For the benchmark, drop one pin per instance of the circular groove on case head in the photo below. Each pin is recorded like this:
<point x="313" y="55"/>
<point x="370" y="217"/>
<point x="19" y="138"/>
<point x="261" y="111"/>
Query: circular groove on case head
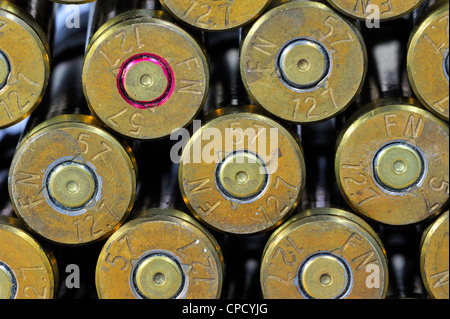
<point x="324" y="276"/>
<point x="303" y="62"/>
<point x="5" y="69"/>
<point x="71" y="185"/>
<point x="145" y="81"/>
<point x="427" y="60"/>
<point x="239" y="175"/>
<point x="182" y="261"/>
<point x="24" y="64"/>
<point x="8" y="282"/>
<point x="73" y="1"/>
<point x="25" y="265"/>
<point x="159" y="276"/>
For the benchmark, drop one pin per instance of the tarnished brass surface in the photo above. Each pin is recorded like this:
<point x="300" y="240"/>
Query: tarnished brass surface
<point x="392" y="162"/>
<point x="5" y="69"/>
<point x="24" y="64"/>
<point x="71" y="181"/>
<point x="375" y="9"/>
<point x="161" y="254"/>
<point x="324" y="253"/>
<point x="158" y="277"/>
<point x="246" y="187"/>
<point x="428" y="60"/>
<point x="239" y="175"/>
<point x="398" y="166"/>
<point x="303" y="62"/>
<point x="27" y="270"/>
<point x="434" y="258"/>
<point x="144" y="76"/>
<point x="213" y="15"/>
